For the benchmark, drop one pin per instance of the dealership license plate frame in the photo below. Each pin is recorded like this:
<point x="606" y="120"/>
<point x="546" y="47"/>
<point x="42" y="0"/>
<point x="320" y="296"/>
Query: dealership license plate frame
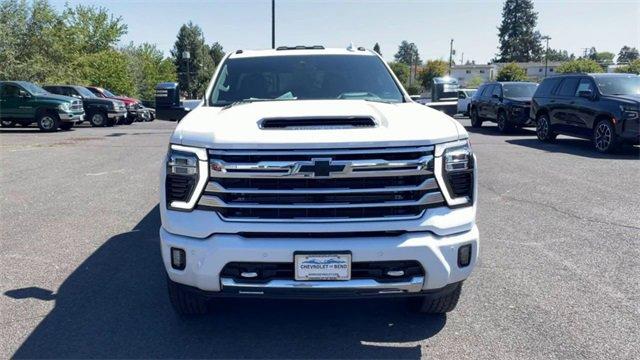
<point x="300" y="256"/>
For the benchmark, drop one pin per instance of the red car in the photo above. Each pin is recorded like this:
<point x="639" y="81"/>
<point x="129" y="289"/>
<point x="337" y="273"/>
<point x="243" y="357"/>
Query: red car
<point x="131" y="104"/>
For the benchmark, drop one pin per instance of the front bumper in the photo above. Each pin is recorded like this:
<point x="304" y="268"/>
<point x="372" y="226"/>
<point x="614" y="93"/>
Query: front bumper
<point x="71" y="117"/>
<point x="116" y="114"/>
<point x="205" y="258"/>
<point x="630" y="132"/>
<point x="520" y="117"/>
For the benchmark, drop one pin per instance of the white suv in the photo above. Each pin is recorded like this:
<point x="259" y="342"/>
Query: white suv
<point x="309" y="172"/>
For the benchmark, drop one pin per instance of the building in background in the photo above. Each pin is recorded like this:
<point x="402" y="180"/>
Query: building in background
<point x="488" y="72"/>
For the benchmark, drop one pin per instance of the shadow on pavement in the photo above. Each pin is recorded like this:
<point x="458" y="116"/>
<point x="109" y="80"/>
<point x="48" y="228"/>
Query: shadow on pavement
<point x="579" y="147"/>
<point x="493" y="131"/>
<point x="115" y="305"/>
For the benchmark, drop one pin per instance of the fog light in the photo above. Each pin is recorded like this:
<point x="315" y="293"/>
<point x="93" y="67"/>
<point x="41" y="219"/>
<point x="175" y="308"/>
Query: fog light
<point x="178" y="259"/>
<point x="464" y="255"/>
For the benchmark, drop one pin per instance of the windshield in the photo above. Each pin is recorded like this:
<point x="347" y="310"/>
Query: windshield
<point x="519" y="90"/>
<point x="302" y="77"/>
<point x="84" y="92"/>
<point x="108" y="93"/>
<point x="618" y="85"/>
<point x="33" y="88"/>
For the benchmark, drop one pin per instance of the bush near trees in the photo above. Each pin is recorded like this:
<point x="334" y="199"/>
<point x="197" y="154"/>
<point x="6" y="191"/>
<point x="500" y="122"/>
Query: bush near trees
<point x="401" y="71"/>
<point x="77" y="45"/>
<point x="579" y="66"/>
<point x="432" y="69"/>
<point x="475" y="82"/>
<point x="632" y="68"/>
<point x="512" y="72"/>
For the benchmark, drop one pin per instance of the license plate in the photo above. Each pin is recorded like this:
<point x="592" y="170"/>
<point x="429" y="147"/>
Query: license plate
<point x="322" y="266"/>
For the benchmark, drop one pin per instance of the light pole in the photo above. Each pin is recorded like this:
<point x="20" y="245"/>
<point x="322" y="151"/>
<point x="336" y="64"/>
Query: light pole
<point x="186" y="56"/>
<point x="450" y="56"/>
<point x="273" y="24"/>
<point x="546" y="54"/>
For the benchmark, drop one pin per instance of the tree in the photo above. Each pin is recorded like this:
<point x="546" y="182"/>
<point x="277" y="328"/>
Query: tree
<point x="431" y="70"/>
<point x="627" y="55"/>
<point x="408" y="54"/>
<point x="603" y="58"/>
<point x="216" y="52"/>
<point x="92" y="29"/>
<point x="148" y="67"/>
<point x="475" y="82"/>
<point x="108" y="69"/>
<point x="579" y="66"/>
<point x="376" y="48"/>
<point x="632" y="68"/>
<point x="519" y="41"/>
<point x="560" y="55"/>
<point x="198" y="69"/>
<point x="401" y="71"/>
<point x="512" y="72"/>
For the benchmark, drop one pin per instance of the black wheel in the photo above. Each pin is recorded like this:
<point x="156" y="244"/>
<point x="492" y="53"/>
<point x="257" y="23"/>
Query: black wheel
<point x="98" y="119"/>
<point x="128" y="120"/>
<point x="503" y="123"/>
<point x="605" y="139"/>
<point x="185" y="302"/>
<point x="436" y="305"/>
<point x="476" y="120"/>
<point x="48" y="122"/>
<point x="7" y="123"/>
<point x="544" y="130"/>
<point x="66" y="126"/>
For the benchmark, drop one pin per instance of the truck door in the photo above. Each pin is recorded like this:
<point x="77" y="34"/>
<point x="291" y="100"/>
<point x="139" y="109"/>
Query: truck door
<point x="15" y="102"/>
<point x="563" y="113"/>
<point x="494" y="102"/>
<point x="485" y="98"/>
<point x="585" y="106"/>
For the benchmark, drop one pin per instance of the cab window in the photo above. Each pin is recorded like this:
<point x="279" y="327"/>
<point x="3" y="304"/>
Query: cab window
<point x="10" y="91"/>
<point x="567" y="87"/>
<point x="584" y="85"/>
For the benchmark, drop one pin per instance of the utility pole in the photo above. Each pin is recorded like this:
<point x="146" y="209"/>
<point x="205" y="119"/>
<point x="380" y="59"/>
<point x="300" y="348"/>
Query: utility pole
<point x="546" y="54"/>
<point x="273" y="24"/>
<point x="187" y="56"/>
<point x="462" y="59"/>
<point x="450" y="56"/>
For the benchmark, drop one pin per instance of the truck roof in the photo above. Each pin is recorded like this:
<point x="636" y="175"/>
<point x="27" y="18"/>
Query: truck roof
<point x="307" y="50"/>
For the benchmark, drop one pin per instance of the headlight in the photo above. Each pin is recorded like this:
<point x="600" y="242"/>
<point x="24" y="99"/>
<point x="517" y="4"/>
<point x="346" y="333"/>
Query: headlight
<point x="187" y="173"/>
<point x="629" y="112"/>
<point x="454" y="169"/>
<point x="64" y="106"/>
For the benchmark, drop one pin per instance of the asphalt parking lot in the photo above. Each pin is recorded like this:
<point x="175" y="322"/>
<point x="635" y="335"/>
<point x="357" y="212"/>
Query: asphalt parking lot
<point x="559" y="275"/>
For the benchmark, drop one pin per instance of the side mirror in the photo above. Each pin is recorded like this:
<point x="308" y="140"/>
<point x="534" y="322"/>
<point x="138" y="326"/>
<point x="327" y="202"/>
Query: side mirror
<point x="461" y="96"/>
<point x="587" y="94"/>
<point x="495" y="96"/>
<point x="23" y="94"/>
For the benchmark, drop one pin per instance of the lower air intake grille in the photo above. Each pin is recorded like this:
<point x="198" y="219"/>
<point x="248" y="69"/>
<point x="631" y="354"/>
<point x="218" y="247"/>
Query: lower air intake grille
<point x="461" y="183"/>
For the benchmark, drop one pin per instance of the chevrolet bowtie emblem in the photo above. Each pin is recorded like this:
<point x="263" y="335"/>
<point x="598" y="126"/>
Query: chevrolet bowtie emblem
<point x="320" y="168"/>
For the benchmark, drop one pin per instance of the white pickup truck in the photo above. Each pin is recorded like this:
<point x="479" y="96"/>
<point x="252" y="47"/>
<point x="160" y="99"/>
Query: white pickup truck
<point x="309" y="172"/>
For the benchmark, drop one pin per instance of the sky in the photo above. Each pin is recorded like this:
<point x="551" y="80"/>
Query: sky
<point x="246" y="24"/>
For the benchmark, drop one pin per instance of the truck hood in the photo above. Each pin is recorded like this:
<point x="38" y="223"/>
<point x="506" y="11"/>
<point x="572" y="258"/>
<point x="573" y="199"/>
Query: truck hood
<point x="56" y="98"/>
<point x="237" y="127"/>
<point x="630" y="98"/>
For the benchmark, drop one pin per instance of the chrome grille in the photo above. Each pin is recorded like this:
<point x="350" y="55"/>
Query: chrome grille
<point x="76" y="105"/>
<point x="321" y="185"/>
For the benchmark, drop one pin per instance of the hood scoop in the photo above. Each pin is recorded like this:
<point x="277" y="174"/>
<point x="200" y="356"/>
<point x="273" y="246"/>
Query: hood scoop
<point x="333" y="122"/>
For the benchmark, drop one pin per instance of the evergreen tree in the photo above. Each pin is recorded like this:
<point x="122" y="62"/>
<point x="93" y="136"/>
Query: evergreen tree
<point x="376" y="48"/>
<point x="198" y="68"/>
<point x="519" y="41"/>
<point x="408" y="54"/>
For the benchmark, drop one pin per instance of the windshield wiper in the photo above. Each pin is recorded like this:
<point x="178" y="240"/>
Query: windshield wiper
<point x="251" y="100"/>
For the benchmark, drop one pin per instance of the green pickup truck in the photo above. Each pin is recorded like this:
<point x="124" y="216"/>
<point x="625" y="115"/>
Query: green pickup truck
<point x="24" y="103"/>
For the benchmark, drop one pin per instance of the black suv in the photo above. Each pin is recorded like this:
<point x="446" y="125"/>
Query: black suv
<point x="506" y="103"/>
<point x="601" y="107"/>
<point x="99" y="112"/>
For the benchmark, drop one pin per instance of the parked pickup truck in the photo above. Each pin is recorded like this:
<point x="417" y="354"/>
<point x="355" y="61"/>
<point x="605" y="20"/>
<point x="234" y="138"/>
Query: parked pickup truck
<point x="24" y="103"/>
<point x="99" y="112"/>
<point x="309" y="172"/>
<point x="131" y="104"/>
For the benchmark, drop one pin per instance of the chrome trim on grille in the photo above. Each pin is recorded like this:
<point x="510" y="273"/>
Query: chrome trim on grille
<point x="351" y="168"/>
<point x="411" y="286"/>
<point x="322" y="185"/>
<point x="428" y="184"/>
<point x="426" y="199"/>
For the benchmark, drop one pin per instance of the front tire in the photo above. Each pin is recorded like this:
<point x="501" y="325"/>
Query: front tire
<point x="48" y="122"/>
<point x="544" y="130"/>
<point x="605" y="139"/>
<point x="476" y="121"/>
<point x="98" y="119"/>
<point x="503" y="123"/>
<point x="436" y="305"/>
<point x="184" y="302"/>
